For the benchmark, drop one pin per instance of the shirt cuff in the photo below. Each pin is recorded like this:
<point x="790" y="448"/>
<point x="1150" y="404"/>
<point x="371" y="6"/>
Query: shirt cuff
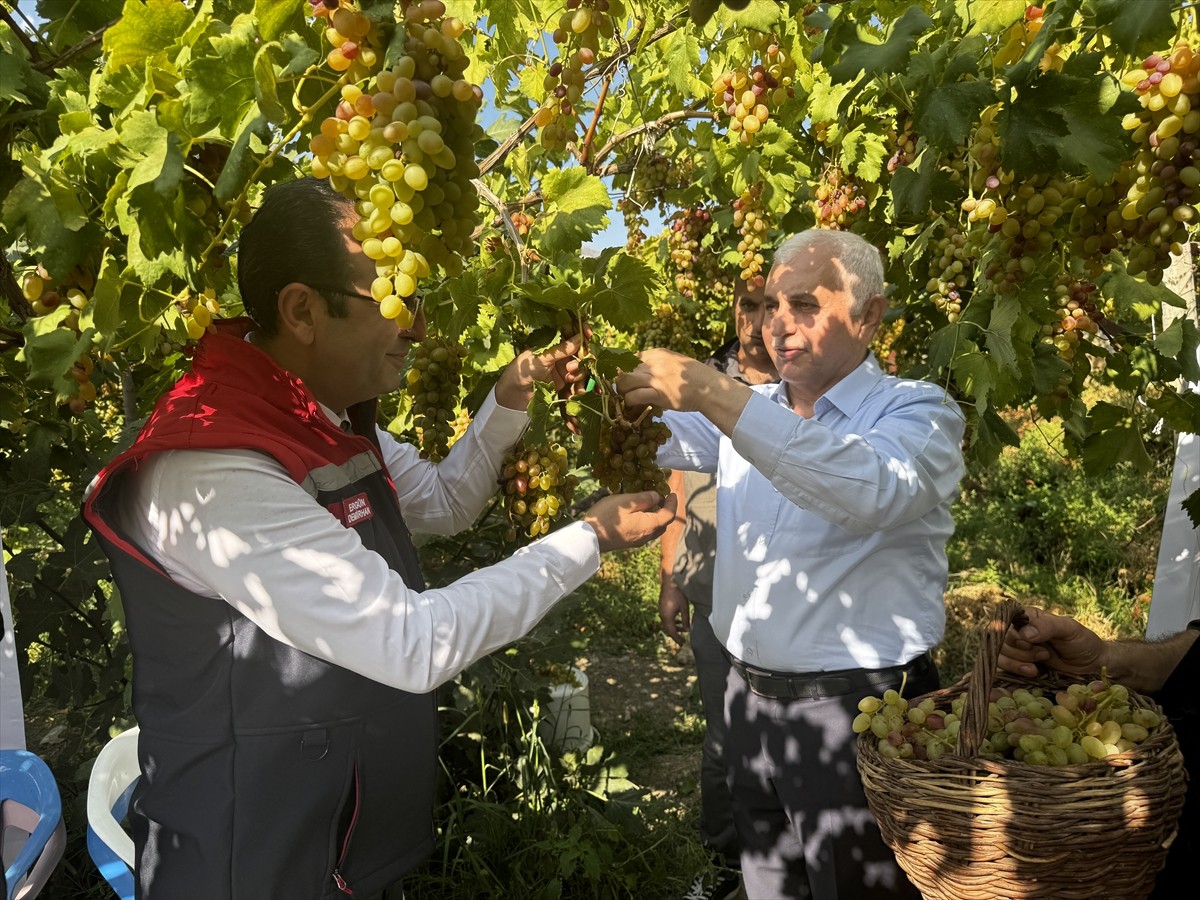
<point x="580" y="545"/>
<point x="762" y="432"/>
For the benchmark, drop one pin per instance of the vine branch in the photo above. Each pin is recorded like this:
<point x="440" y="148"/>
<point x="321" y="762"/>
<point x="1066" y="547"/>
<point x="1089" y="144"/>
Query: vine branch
<point x="506" y="220"/>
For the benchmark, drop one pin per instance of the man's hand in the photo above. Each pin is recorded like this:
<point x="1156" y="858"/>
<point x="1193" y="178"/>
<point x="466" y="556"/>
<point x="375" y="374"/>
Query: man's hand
<point x="630" y="520"/>
<point x="673" y="611"/>
<point x="558" y="366"/>
<point x="1061" y="643"/>
<point x="673" y="381"/>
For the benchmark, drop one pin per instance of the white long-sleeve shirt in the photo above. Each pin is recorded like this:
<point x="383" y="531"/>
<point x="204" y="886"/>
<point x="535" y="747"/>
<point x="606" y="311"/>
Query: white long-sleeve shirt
<point x="831" y="531"/>
<point x="232" y="524"/>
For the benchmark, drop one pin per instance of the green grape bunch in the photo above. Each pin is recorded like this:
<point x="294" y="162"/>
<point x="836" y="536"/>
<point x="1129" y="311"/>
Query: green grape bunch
<point x="433" y="384"/>
<point x="401" y="144"/>
<point x="1071" y="727"/>
<point x="626" y="460"/>
<point x="537" y="488"/>
<point x="752" y="220"/>
<point x="581" y="28"/>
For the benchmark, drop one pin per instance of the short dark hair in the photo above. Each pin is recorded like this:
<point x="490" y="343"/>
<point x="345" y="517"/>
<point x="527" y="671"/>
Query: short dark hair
<point x="296" y="235"/>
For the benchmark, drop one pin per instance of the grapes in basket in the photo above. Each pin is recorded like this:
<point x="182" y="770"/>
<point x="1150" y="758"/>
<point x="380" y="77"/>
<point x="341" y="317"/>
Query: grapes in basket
<point x="1070" y="727"/>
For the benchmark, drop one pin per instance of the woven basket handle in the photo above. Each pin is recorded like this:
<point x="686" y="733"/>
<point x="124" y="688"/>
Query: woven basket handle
<point x="979" y="682"/>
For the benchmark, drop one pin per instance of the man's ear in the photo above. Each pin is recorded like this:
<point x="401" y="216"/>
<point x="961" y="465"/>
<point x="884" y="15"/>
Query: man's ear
<point x="299" y="307"/>
<point x="872" y="315"/>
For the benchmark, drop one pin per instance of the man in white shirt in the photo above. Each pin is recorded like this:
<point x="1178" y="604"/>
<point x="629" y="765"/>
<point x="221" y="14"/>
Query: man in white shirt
<point x="284" y="643"/>
<point x="833" y="509"/>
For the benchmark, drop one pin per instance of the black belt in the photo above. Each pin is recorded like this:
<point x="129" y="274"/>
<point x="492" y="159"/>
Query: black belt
<point x="822" y="685"/>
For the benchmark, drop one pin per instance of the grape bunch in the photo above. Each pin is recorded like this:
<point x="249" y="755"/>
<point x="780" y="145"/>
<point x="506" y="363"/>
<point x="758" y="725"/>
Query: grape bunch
<point x="198" y="312"/>
<point x="950" y="272"/>
<point x="684" y="235"/>
<point x="433" y="384"/>
<point x="580" y="29"/>
<point x="906" y="146"/>
<point x="538" y="487"/>
<point x="1160" y="203"/>
<point x="626" y="461"/>
<point x="836" y="199"/>
<point x="45" y="295"/>
<point x="748" y="94"/>
<point x="668" y="327"/>
<point x="751" y="219"/>
<point x="1075" y="314"/>
<point x="403" y="149"/>
<point x="1074" y="726"/>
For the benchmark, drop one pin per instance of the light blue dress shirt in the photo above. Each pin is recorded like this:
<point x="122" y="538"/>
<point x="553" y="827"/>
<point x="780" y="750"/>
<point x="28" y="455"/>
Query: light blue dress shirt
<point x="831" y="531"/>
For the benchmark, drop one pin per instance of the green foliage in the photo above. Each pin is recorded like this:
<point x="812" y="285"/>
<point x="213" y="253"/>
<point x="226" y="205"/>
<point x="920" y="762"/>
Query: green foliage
<point x="1036" y="523"/>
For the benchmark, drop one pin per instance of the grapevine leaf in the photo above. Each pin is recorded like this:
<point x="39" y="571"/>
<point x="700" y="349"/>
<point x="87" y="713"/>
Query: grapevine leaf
<point x="1179" y="341"/>
<point x="973" y="373"/>
<point x="145" y="28"/>
<point x="1191" y="506"/>
<point x="681" y="60"/>
<point x="16" y="74"/>
<point x="1063" y="121"/>
<point x="917" y="187"/>
<point x="611" y="361"/>
<point x="1115" y="438"/>
<point x="241" y="162"/>
<point x="221" y="81"/>
<point x="299" y="56"/>
<point x="945" y="114"/>
<point x="1179" y="410"/>
<point x="29" y="210"/>
<point x="628" y="287"/>
<point x="990" y="435"/>
<point x="576" y="204"/>
<point x="50" y="350"/>
<point x="758" y="15"/>
<point x="1048" y="369"/>
<point x="825" y="101"/>
<point x="998" y="338"/>
<point x="875" y="59"/>
<point x="990" y="16"/>
<point x="1139" y="27"/>
<point x="105" y="307"/>
<point x="265" y="89"/>
<point x="160" y="160"/>
<point x="542" y="406"/>
<point x="863" y="153"/>
<point x="1135" y="295"/>
<point x="274" y="17"/>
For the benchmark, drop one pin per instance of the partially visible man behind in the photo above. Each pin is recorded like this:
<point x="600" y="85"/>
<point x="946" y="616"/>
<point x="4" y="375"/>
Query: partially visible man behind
<point x="285" y="647"/>
<point x="686" y="579"/>
<point x="833" y="510"/>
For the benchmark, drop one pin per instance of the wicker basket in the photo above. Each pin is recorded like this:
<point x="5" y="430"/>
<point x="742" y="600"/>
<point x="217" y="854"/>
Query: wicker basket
<point x="968" y="828"/>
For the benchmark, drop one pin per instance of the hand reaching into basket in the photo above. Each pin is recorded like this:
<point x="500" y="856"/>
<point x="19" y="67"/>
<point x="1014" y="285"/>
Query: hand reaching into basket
<point x="1058" y="642"/>
<point x="1065" y="645"/>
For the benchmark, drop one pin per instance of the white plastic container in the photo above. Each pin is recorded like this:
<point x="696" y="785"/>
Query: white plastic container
<point x="567" y="724"/>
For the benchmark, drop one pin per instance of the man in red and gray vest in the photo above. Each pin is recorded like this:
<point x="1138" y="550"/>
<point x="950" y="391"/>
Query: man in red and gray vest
<point x="285" y="646"/>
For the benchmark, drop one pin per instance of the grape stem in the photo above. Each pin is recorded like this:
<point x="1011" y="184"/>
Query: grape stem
<point x="506" y="219"/>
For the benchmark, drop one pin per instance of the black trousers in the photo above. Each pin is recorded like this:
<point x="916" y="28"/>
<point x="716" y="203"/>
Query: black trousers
<point x="798" y="802"/>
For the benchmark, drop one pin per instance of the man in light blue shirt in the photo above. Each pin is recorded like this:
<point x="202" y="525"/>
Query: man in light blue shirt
<point x="833" y="509"/>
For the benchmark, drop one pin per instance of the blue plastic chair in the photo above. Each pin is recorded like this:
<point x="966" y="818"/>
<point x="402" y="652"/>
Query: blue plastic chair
<point x="31" y="804"/>
<point x="114" y="776"/>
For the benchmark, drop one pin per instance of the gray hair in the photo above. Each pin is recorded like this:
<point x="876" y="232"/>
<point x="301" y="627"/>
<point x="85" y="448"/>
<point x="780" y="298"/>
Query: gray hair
<point x="860" y="260"/>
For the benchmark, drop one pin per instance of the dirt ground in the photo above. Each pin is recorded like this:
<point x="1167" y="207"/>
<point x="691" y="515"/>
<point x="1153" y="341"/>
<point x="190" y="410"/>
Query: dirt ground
<point x="634" y="700"/>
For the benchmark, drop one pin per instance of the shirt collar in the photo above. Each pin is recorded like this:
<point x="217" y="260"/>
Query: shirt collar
<point x="848" y="394"/>
<point x="338" y="419"/>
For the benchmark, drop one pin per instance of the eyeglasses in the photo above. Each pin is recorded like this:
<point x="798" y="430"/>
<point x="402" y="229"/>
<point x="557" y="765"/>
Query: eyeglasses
<point x="414" y="303"/>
